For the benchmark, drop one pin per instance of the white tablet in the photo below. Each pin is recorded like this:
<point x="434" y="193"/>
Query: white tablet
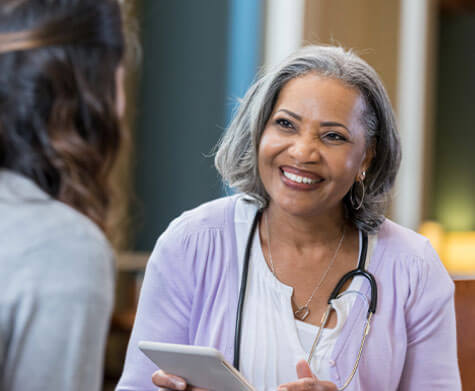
<point x="200" y="366"/>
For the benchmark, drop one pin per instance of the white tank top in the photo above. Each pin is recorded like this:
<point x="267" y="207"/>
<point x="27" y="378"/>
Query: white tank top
<point x="272" y="340"/>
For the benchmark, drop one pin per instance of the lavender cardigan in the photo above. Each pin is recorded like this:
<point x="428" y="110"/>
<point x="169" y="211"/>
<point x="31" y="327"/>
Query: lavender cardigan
<point x="190" y="294"/>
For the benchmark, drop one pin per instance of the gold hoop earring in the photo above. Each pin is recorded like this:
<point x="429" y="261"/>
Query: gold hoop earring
<point x="357" y="206"/>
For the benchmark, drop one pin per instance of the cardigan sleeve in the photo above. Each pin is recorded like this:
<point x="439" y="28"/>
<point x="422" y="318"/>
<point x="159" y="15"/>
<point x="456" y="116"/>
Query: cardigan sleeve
<point x="431" y="357"/>
<point x="164" y="307"/>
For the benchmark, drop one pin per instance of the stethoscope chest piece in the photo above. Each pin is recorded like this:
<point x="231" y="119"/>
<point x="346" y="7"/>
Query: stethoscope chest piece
<point x="359" y="271"/>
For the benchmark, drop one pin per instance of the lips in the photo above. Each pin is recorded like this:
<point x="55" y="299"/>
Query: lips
<point x="295" y="177"/>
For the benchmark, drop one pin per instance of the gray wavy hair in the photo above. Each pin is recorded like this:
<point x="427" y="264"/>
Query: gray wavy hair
<point x="236" y="153"/>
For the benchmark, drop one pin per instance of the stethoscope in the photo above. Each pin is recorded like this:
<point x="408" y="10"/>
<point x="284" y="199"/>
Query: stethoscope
<point x="359" y="271"/>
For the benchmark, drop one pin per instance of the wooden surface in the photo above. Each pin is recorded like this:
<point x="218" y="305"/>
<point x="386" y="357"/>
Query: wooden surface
<point x="465" y="313"/>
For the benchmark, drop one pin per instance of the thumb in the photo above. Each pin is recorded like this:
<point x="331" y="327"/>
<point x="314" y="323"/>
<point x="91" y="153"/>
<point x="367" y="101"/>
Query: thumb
<point x="303" y="370"/>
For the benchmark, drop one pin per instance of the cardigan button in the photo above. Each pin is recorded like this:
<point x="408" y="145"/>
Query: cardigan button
<point x="332" y="363"/>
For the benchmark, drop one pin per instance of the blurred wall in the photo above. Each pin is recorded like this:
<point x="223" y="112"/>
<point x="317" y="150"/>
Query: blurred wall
<point x="370" y="27"/>
<point x="453" y="191"/>
<point x="181" y="110"/>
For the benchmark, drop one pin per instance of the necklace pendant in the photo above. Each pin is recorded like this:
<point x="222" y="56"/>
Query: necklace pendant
<point x="302" y="313"/>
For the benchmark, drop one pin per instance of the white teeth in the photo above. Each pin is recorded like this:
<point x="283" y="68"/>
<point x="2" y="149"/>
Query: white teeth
<point x="298" y="178"/>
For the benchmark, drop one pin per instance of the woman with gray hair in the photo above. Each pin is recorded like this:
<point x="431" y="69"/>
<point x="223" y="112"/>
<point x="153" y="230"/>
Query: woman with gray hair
<point x="313" y="153"/>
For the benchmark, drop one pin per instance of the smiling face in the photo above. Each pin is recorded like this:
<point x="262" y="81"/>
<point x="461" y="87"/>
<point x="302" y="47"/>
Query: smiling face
<point x="313" y="146"/>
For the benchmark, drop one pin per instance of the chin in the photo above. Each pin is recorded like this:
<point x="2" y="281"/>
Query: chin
<point x="307" y="208"/>
<point x="299" y="209"/>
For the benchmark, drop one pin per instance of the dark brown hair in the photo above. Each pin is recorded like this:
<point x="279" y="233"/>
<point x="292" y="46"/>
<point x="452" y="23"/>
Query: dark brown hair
<point x="59" y="124"/>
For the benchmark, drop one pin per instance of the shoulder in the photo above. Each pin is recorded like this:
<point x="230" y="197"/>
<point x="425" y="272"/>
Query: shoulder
<point x="67" y="233"/>
<point x="52" y="248"/>
<point x="408" y="248"/>
<point x="397" y="239"/>
<point x="32" y="219"/>
<point x="213" y="215"/>
<point x="48" y="248"/>
<point x="408" y="258"/>
<point x="201" y="237"/>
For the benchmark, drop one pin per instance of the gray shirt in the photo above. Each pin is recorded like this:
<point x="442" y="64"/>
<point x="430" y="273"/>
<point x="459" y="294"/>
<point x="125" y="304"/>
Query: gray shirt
<point x="56" y="292"/>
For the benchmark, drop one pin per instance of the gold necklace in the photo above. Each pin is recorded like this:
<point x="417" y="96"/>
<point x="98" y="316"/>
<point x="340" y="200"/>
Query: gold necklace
<point x="304" y="311"/>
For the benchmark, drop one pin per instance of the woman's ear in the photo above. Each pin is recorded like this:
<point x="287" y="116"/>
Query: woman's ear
<point x="368" y="158"/>
<point x="370" y="153"/>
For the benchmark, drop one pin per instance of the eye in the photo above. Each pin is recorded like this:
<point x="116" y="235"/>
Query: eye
<point x="284" y="123"/>
<point x="334" y="137"/>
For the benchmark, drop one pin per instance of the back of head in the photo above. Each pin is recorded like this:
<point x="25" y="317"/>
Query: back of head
<point x="58" y="118"/>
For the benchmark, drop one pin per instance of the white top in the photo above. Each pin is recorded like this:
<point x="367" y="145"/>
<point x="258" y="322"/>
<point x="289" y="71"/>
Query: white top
<point x="272" y="340"/>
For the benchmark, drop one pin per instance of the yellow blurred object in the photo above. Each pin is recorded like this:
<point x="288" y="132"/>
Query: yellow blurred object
<point x="459" y="254"/>
<point x="436" y="235"/>
<point x="456" y="249"/>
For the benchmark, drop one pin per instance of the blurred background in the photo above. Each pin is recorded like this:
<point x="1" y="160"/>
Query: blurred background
<point x="199" y="57"/>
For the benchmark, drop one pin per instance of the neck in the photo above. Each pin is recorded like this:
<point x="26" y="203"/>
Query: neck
<point x="305" y="231"/>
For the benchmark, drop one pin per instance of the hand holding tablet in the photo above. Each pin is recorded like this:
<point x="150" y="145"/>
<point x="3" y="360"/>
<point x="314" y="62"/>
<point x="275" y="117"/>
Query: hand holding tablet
<point x="171" y="382"/>
<point x="200" y="367"/>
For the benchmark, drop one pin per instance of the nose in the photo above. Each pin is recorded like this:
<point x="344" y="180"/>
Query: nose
<point x="305" y="149"/>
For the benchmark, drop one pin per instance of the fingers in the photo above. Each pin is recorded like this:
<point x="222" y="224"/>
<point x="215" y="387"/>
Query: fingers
<point x="164" y="380"/>
<point x="167" y="381"/>
<point x="328" y="386"/>
<point x="307" y="381"/>
<point x="303" y="370"/>
<point x="188" y="389"/>
<point x="308" y="384"/>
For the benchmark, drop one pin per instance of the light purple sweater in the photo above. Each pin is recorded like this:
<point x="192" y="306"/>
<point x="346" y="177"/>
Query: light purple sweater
<point x="190" y="295"/>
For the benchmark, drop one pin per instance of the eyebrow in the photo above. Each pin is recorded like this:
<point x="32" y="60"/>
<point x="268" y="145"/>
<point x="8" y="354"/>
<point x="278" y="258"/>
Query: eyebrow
<point x="330" y="123"/>
<point x="291" y="113"/>
<point x="324" y="123"/>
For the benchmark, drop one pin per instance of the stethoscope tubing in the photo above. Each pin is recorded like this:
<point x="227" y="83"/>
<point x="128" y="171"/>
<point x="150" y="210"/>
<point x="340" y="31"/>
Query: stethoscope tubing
<point x="359" y="271"/>
<point x="242" y="291"/>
